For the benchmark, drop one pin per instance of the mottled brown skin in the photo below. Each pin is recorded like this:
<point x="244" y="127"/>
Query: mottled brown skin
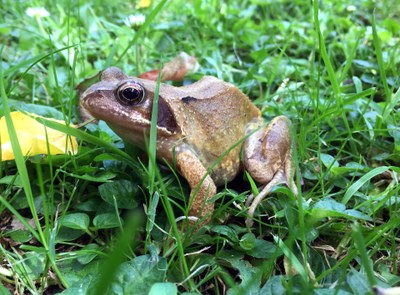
<point x="196" y="125"/>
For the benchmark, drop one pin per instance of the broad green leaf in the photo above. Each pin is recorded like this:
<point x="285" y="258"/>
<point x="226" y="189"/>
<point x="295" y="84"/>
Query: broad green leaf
<point x="357" y="214"/>
<point x="365" y="64"/>
<point x="68" y="234"/>
<point x="139" y="275"/>
<point x="5" y="29"/>
<point x="4" y="290"/>
<point x="226" y="231"/>
<point x="248" y="241"/>
<point x="21" y="236"/>
<point x="394" y="131"/>
<point x="274" y="286"/>
<point x="120" y="192"/>
<point x="83" y="287"/>
<point x="230" y="255"/>
<point x="328" y="207"/>
<point x="15" y="180"/>
<point x="358" y="283"/>
<point x="263" y="249"/>
<point x="123" y="247"/>
<point x="250" y="277"/>
<point x="34" y="264"/>
<point x="163" y="289"/>
<point x="381" y="157"/>
<point x="88" y="253"/>
<point x="76" y="221"/>
<point x="341" y="170"/>
<point x="387" y="275"/>
<point x="327" y="291"/>
<point x="348" y="168"/>
<point x="91" y="205"/>
<point x="80" y="277"/>
<point x="328" y="160"/>
<point x="106" y="220"/>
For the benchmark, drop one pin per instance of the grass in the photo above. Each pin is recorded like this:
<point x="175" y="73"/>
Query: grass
<point x="105" y="218"/>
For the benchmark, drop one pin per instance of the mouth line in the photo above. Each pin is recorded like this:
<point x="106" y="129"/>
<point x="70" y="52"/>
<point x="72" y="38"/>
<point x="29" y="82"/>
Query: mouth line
<point x="123" y="120"/>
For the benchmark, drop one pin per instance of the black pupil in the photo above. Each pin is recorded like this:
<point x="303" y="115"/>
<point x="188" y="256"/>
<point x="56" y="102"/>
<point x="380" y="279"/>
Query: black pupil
<point x="132" y="93"/>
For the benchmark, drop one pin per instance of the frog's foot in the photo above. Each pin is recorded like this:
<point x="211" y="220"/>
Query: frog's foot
<point x="278" y="179"/>
<point x="281" y="176"/>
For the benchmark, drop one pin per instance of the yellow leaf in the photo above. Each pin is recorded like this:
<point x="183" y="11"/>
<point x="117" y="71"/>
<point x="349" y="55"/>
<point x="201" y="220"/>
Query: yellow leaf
<point x="32" y="137"/>
<point x="144" y="3"/>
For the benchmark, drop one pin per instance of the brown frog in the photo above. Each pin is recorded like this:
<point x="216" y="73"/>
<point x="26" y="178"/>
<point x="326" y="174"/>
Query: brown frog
<point x="197" y="124"/>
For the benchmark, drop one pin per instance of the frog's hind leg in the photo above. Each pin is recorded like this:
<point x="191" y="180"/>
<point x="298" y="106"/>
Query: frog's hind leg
<point x="268" y="159"/>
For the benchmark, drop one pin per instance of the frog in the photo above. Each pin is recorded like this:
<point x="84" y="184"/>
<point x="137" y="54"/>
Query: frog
<point x="208" y="130"/>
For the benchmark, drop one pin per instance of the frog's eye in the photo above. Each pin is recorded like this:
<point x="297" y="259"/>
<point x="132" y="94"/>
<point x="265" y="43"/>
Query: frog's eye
<point x="130" y="93"/>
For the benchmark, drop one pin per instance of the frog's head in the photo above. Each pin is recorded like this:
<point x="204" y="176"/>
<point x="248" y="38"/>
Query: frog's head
<point x="125" y="104"/>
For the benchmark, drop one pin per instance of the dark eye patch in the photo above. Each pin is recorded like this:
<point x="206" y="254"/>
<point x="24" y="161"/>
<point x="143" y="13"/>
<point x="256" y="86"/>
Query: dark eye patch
<point x="165" y="117"/>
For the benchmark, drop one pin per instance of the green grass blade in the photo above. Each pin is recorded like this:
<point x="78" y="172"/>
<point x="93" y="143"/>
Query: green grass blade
<point x="153" y="173"/>
<point x="125" y="241"/>
<point x="30" y="63"/>
<point x="20" y="218"/>
<point x="292" y="258"/>
<point x="19" y="159"/>
<point x="23" y="172"/>
<point x="86" y="137"/>
<point x="359" y="183"/>
<point x="376" y="234"/>
<point x="153" y="136"/>
<point x="331" y="72"/>
<point x="325" y="57"/>
<point x="361" y="248"/>
<point x="381" y="64"/>
<point x="389" y="107"/>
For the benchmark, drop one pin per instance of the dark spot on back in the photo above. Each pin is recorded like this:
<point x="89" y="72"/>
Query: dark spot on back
<point x="188" y="99"/>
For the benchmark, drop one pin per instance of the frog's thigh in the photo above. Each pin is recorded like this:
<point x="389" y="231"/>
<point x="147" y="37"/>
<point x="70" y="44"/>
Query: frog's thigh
<point x="193" y="171"/>
<point x="268" y="149"/>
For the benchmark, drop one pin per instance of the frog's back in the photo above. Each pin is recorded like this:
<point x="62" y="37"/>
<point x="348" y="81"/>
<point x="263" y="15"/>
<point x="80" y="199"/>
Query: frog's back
<point x="216" y="114"/>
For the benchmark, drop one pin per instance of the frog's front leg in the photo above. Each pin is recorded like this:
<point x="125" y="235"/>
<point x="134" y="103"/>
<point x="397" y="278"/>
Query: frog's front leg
<point x="193" y="171"/>
<point x="267" y="157"/>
